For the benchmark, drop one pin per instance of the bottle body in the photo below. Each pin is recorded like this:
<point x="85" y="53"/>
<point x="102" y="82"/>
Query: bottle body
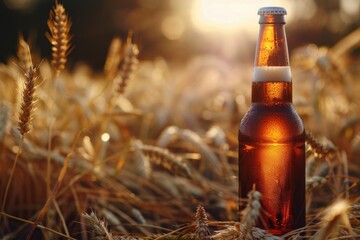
<point x="272" y="158"/>
<point x="271" y="134"/>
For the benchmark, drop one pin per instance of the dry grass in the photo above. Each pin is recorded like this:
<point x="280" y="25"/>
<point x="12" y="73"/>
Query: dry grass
<point x="148" y="157"/>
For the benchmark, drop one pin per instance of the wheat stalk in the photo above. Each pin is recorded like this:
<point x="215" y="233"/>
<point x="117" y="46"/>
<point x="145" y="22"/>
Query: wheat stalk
<point x="312" y="183"/>
<point x="56" y="188"/>
<point x="27" y="106"/>
<point x="128" y="64"/>
<point x="59" y="36"/>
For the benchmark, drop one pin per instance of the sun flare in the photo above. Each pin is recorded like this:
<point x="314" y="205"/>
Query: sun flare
<point x="229" y="16"/>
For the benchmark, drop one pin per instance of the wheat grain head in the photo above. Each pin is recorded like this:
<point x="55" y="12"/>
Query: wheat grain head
<point x="201" y="224"/>
<point x="336" y="217"/>
<point x="23" y="53"/>
<point x="229" y="233"/>
<point x="98" y="227"/>
<point x="141" y="161"/>
<point x="28" y="100"/>
<point x="113" y="58"/>
<point x="128" y="64"/>
<point x="169" y="161"/>
<point x="320" y="150"/>
<point x="59" y="36"/>
<point x="210" y="162"/>
<point x="251" y="213"/>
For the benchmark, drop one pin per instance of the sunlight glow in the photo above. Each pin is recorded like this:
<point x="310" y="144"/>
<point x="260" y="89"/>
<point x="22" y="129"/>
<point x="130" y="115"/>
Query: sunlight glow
<point x="350" y="7"/>
<point x="20" y="4"/>
<point x="230" y="16"/>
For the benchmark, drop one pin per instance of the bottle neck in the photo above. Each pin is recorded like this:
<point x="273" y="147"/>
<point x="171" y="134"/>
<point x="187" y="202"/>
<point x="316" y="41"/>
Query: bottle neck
<point x="272" y="75"/>
<point x="271" y="49"/>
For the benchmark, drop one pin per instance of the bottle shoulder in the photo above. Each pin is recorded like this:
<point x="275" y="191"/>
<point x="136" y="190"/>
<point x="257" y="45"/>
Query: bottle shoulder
<point x="272" y="122"/>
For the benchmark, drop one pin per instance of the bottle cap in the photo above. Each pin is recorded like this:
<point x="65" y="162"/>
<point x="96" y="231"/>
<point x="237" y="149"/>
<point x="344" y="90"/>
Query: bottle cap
<point x="272" y="10"/>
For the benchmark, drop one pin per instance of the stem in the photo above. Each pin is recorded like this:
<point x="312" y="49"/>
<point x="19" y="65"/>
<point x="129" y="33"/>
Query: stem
<point x="12" y="174"/>
<point x="61" y="216"/>
<point x="39" y="226"/>
<point x="48" y="165"/>
<point x="103" y="127"/>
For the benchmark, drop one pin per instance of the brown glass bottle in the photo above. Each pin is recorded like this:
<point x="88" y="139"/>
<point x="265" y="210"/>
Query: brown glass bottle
<point x="271" y="134"/>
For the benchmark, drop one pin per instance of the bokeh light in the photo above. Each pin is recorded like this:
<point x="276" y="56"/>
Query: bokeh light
<point x="105" y="137"/>
<point x="173" y="27"/>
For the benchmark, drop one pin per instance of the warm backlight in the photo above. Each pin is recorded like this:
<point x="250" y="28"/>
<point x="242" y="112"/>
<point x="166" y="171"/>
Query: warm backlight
<point x="229" y="16"/>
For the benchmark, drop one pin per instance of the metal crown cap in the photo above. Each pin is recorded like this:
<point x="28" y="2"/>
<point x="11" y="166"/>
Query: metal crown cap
<point x="272" y="10"/>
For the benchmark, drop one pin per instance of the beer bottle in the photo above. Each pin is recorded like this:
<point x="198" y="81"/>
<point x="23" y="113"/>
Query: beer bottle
<point x="271" y="134"/>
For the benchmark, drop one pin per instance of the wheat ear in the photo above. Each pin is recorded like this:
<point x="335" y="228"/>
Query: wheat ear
<point x="257" y="233"/>
<point x="23" y="53"/>
<point x="210" y="162"/>
<point x="99" y="227"/>
<point x="141" y="161"/>
<point x="59" y="36"/>
<point x="320" y="150"/>
<point x="201" y="224"/>
<point x="28" y="100"/>
<point x="113" y="58"/>
<point x="128" y="64"/>
<point x="250" y="214"/>
<point x="166" y="159"/>
<point x="336" y="217"/>
<point x="229" y="233"/>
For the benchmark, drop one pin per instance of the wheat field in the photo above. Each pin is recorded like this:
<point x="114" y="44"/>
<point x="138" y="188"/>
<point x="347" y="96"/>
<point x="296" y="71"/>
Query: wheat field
<point x="126" y="153"/>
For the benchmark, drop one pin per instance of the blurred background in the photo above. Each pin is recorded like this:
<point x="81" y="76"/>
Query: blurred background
<point x="175" y="30"/>
<point x="193" y="82"/>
